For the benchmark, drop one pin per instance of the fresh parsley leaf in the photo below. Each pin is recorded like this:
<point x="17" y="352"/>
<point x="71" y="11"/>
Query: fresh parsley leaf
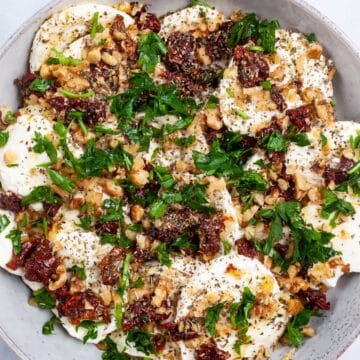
<point x="311" y="38"/>
<point x="113" y="211"/>
<point x="212" y="317"/>
<point x="194" y="196"/>
<point x="40" y="85"/>
<point x="125" y="277"/>
<point x="333" y="204"/>
<point x="242" y="339"/>
<point x="138" y="283"/>
<point x="240" y="311"/>
<point x="86" y="222"/>
<point x="183" y="242"/>
<point x="242" y="114"/>
<point x="72" y="95"/>
<point x="200" y="3"/>
<point x="43" y="299"/>
<point x="162" y="255"/>
<point x="15" y="236"/>
<point x="251" y="181"/>
<point x="61" y="59"/>
<point x="353" y="180"/>
<point x="250" y="27"/>
<point x="324" y="140"/>
<point x="112" y="352"/>
<point x="40" y="194"/>
<point x="95" y="26"/>
<point x="10" y="118"/>
<point x="184" y="141"/>
<point x="91" y="327"/>
<point x="300" y="139"/>
<point x="142" y="341"/>
<point x="4" y="222"/>
<point x="256" y="48"/>
<point x="355" y="140"/>
<point x="226" y="246"/>
<point x="266" y="85"/>
<point x="212" y="102"/>
<point x="150" y="47"/>
<point x="4" y="137"/>
<point x="78" y="116"/>
<point x="102" y="129"/>
<point x="164" y="177"/>
<point x="60" y="129"/>
<point x="79" y="271"/>
<point x="43" y="144"/>
<point x="48" y="327"/>
<point x="61" y="181"/>
<point x="295" y="326"/>
<point x="274" y="142"/>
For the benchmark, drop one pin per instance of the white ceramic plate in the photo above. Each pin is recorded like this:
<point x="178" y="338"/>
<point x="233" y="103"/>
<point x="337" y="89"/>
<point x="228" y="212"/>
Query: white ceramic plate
<point x="20" y="324"/>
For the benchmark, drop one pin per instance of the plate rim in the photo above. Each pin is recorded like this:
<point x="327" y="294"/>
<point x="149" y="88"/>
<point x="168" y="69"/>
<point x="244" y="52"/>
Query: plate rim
<point x="304" y="4"/>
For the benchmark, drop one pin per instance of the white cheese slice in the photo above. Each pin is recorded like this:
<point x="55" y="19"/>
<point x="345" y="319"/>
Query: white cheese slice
<point x="190" y="19"/>
<point x="25" y="174"/>
<point x="65" y="27"/>
<point x="215" y="281"/>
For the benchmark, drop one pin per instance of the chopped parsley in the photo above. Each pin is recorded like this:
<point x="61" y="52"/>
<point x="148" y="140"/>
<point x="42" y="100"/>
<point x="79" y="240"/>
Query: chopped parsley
<point x="14" y="236"/>
<point x="227" y="246"/>
<point x="336" y="206"/>
<point x="141" y="340"/>
<point x="250" y="27"/>
<point x="311" y="38"/>
<point x="113" y="211"/>
<point x="79" y="271"/>
<point x="40" y="85"/>
<point x="274" y="142"/>
<point x="162" y="255"/>
<point x="4" y="222"/>
<point x="242" y="114"/>
<point x="61" y="181"/>
<point x="295" y="326"/>
<point x="43" y="144"/>
<point x="61" y="59"/>
<point x="112" y="352"/>
<point x="4" y="137"/>
<point x="184" y="141"/>
<point x="91" y="329"/>
<point x="40" y="194"/>
<point x="212" y="317"/>
<point x="48" y="327"/>
<point x="43" y="299"/>
<point x="310" y="245"/>
<point x="151" y="47"/>
<point x="10" y="118"/>
<point x="324" y="140"/>
<point x="95" y="26"/>
<point x="72" y="95"/>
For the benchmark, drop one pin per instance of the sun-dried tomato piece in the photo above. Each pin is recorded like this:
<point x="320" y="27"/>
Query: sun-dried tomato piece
<point x="252" y="67"/>
<point x="118" y="25"/>
<point x="10" y="201"/>
<point x="210" y="351"/>
<point x="300" y="117"/>
<point x="339" y="174"/>
<point x="282" y="249"/>
<point x="82" y="306"/>
<point x="142" y="312"/>
<point x="177" y="335"/>
<point x="209" y="234"/>
<point x="41" y="263"/>
<point x="109" y="227"/>
<point x="277" y="98"/>
<point x="216" y="43"/>
<point x="27" y="247"/>
<point x="148" y="21"/>
<point x="314" y="299"/>
<point x="247" y="248"/>
<point x="181" y="53"/>
<point x="175" y="223"/>
<point x="110" y="266"/>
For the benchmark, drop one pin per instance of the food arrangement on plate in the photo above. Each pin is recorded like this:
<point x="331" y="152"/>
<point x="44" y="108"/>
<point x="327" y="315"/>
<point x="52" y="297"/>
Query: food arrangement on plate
<point x="178" y="187"/>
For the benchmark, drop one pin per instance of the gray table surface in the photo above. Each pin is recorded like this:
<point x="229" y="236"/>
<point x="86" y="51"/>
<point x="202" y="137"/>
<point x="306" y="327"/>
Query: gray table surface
<point x="346" y="15"/>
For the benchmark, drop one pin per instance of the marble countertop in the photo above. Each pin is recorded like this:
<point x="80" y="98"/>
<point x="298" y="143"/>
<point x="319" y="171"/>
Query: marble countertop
<point x="345" y="14"/>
